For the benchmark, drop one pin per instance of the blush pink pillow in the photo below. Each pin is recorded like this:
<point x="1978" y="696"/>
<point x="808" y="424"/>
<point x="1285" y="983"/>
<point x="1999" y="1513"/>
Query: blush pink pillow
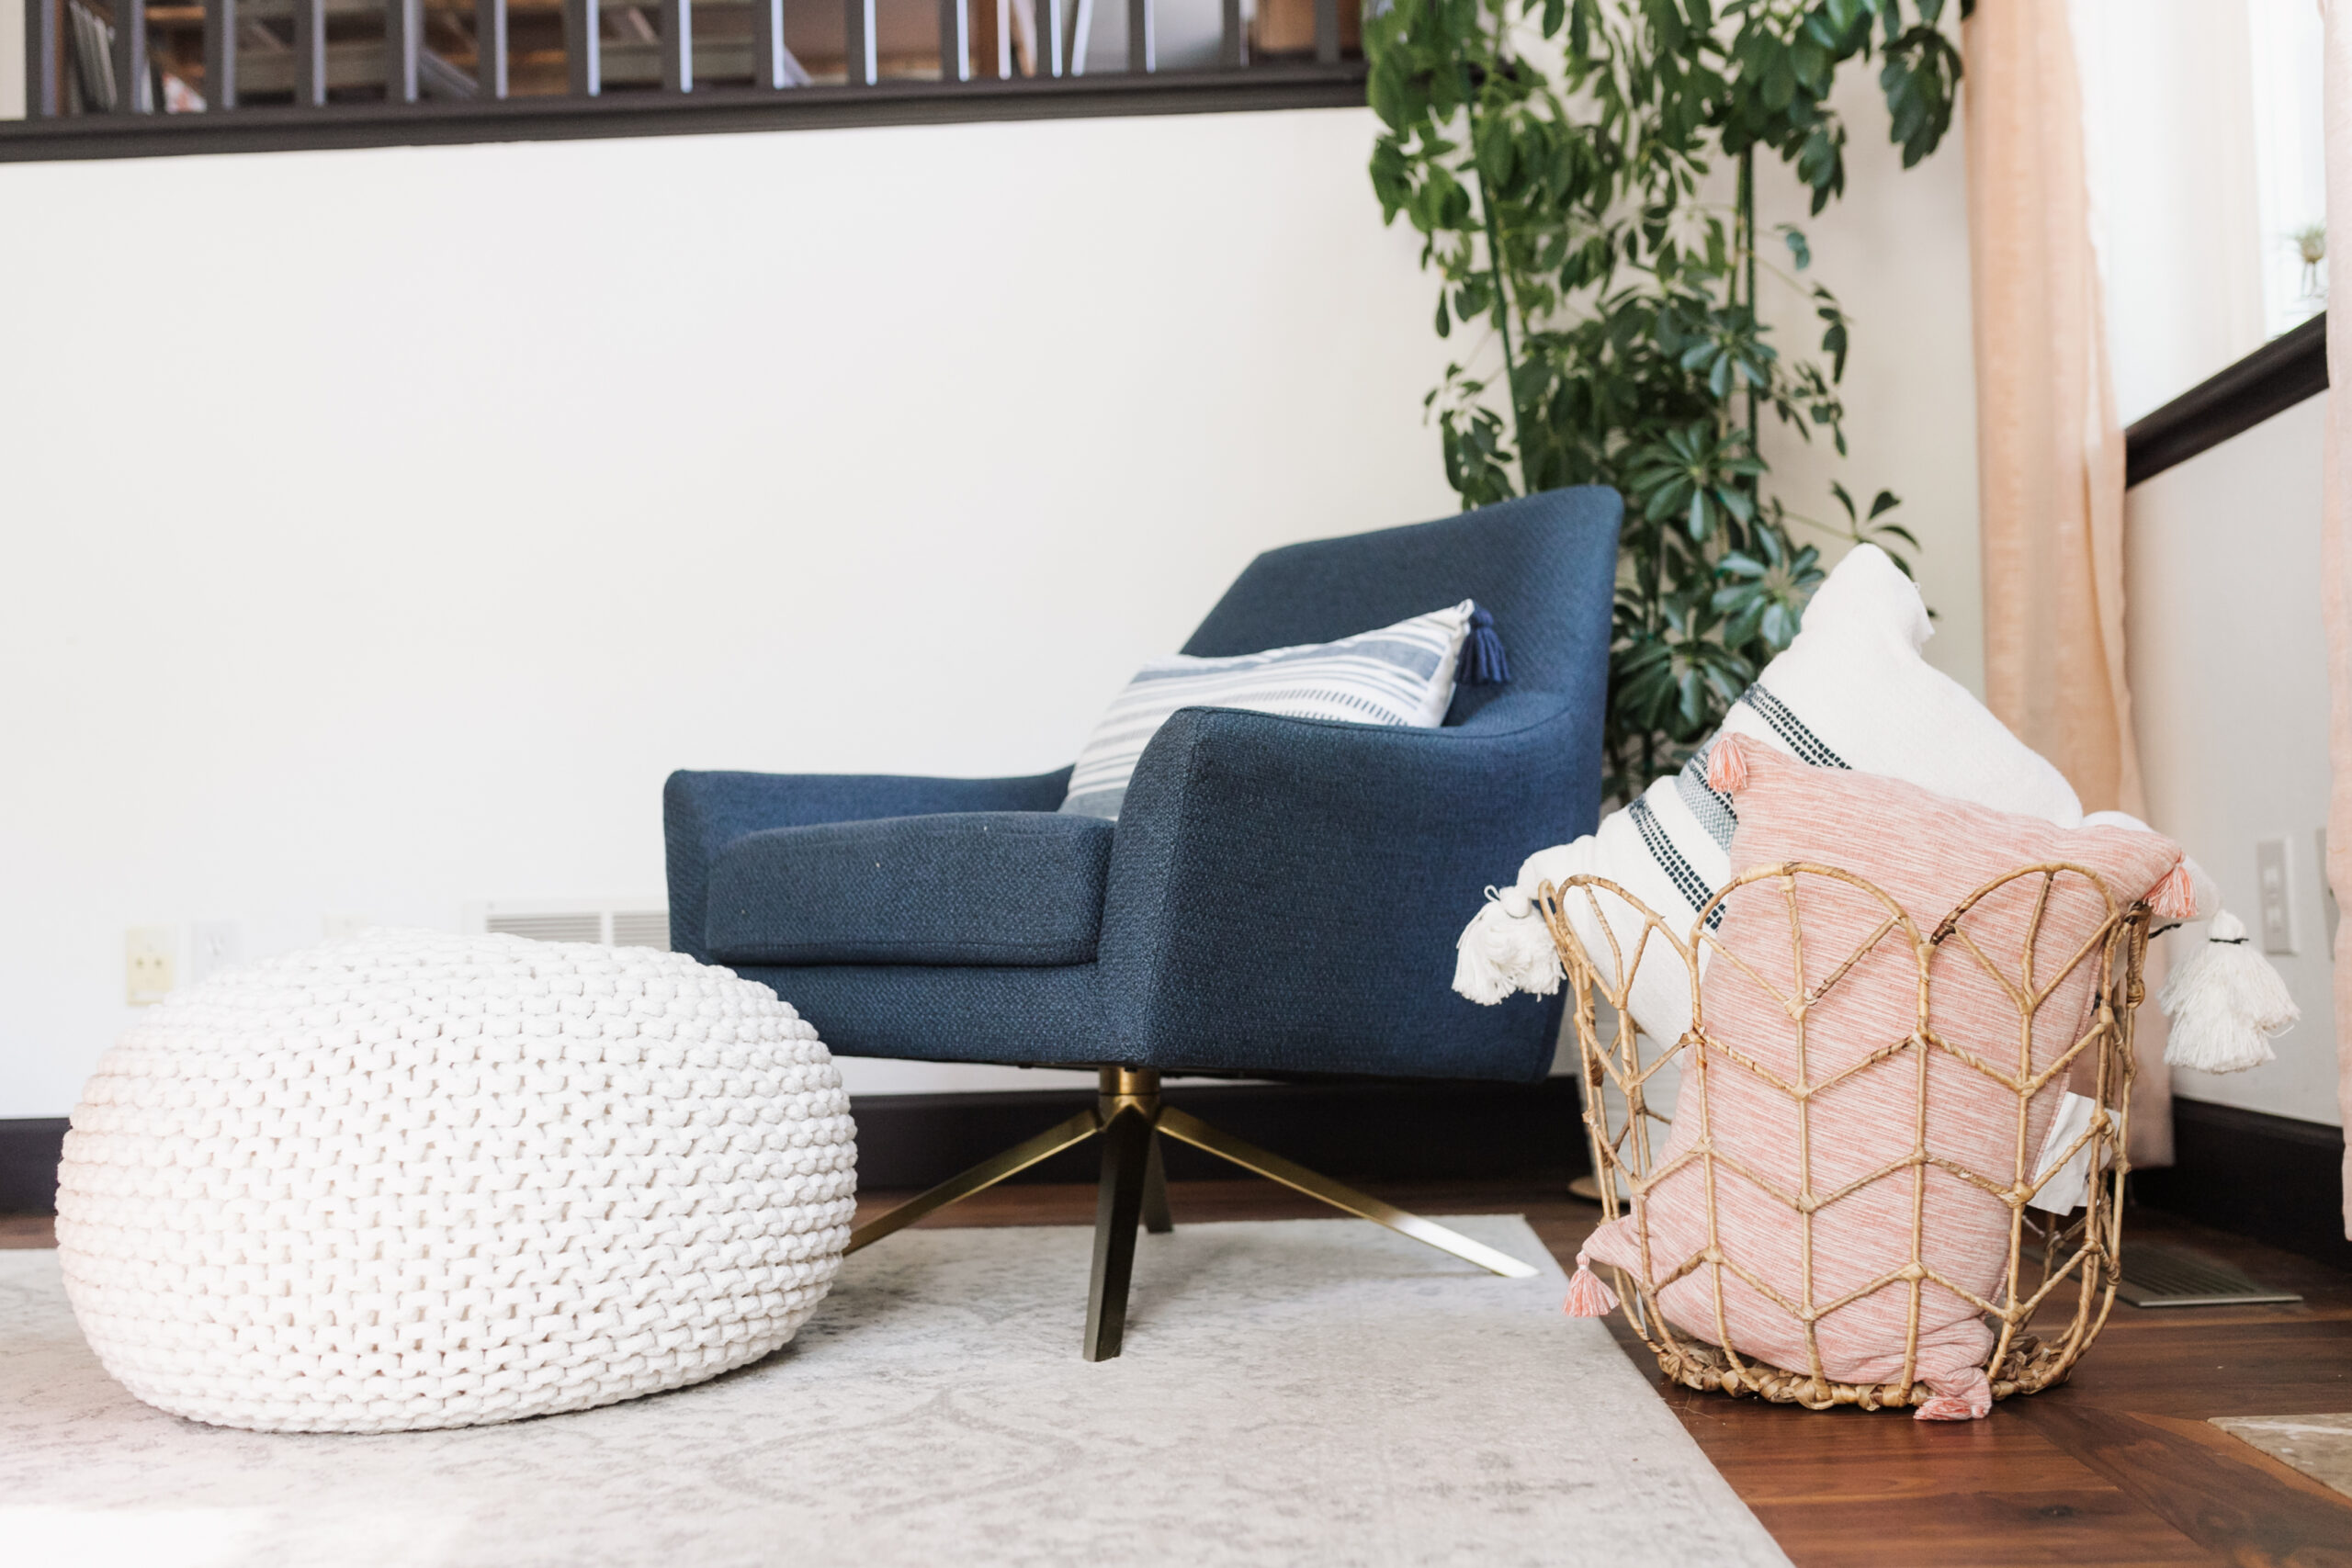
<point x="1860" y="1134"/>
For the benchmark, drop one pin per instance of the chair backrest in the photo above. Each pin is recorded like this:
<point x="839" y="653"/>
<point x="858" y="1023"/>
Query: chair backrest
<point x="1543" y="566"/>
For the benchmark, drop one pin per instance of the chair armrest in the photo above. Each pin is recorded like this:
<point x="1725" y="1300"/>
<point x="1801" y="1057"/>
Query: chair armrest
<point x="1284" y="894"/>
<point x="704" y="812"/>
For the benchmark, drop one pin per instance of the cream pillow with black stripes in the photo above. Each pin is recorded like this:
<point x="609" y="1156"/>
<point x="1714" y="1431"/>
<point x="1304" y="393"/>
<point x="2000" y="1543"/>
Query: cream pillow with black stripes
<point x="1852" y="691"/>
<point x="1399" y="675"/>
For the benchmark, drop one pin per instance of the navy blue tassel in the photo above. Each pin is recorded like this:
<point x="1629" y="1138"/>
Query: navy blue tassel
<point x="1482" y="662"/>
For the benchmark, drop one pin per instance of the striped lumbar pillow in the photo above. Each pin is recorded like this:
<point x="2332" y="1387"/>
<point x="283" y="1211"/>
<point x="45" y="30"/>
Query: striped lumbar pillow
<point x="1399" y="674"/>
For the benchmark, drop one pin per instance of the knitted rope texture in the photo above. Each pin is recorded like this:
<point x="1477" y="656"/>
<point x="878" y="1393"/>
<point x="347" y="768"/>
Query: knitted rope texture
<point x="417" y="1180"/>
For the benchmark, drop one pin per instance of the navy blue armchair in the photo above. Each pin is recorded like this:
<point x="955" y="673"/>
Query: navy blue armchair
<point x="1279" y="897"/>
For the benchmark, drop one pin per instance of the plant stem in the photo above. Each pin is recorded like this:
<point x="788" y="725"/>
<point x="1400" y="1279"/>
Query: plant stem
<point x="1747" y="243"/>
<point x="1494" y="266"/>
<point x="1502" y="319"/>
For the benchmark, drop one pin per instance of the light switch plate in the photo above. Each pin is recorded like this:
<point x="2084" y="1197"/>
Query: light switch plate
<point x="212" y="946"/>
<point x="2278" y="895"/>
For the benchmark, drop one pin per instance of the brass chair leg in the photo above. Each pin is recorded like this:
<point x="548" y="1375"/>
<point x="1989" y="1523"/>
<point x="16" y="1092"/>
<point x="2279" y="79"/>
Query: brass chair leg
<point x="1118" y="1205"/>
<point x="1133" y="1189"/>
<point x="1156" y="1217"/>
<point x="980" y="1178"/>
<point x="1249" y="1156"/>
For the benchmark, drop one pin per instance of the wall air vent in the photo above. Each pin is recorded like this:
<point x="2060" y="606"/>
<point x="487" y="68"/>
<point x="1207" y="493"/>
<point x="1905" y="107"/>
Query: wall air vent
<point x="615" y="922"/>
<point x="641" y="927"/>
<point x="551" y="928"/>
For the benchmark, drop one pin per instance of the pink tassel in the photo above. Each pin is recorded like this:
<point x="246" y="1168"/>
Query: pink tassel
<point x="2176" y="897"/>
<point x="1968" y="1397"/>
<point x="1727" y="765"/>
<point x="1587" y="1296"/>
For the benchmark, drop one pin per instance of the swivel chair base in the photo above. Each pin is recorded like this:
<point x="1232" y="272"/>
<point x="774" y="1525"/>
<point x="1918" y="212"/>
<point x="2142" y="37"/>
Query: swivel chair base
<point x="1128" y="1115"/>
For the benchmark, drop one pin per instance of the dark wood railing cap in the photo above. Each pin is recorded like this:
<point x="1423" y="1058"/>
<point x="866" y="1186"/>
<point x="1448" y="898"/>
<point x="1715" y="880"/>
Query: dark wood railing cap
<point x="2272" y="379"/>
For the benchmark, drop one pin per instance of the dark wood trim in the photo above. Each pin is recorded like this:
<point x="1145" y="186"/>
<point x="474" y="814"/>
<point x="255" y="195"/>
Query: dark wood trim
<point x="29" y="1150"/>
<point x="1377" y="1130"/>
<point x="1365" y="1132"/>
<point x="2271" y="1178"/>
<point x="438" y="122"/>
<point x="2273" y="379"/>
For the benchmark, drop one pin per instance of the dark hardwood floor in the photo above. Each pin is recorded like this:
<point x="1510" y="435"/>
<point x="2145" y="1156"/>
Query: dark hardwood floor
<point x="2119" y="1467"/>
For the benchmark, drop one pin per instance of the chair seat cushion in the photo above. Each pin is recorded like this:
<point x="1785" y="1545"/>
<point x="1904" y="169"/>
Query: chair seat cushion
<point x="982" y="888"/>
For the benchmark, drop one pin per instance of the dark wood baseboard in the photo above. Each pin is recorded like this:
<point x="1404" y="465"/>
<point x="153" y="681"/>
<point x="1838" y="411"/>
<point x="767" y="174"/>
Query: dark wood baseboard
<point x="2270" y="1178"/>
<point x="1365" y="1132"/>
<point x="30" y="1150"/>
<point x="1376" y="1130"/>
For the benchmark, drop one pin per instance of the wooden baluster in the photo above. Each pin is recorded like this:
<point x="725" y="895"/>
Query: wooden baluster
<point x="677" y="46"/>
<point x="1327" y="31"/>
<point x="130" y="57"/>
<point x="404" y="27"/>
<point x="584" y="48"/>
<point x="41" y="20"/>
<point x="767" y="45"/>
<point x="219" y="54"/>
<point x="954" y="41"/>
<point x="489" y="47"/>
<point x="1049" y="38"/>
<point x="1143" y="53"/>
<point x="863" y="69"/>
<point x="310" y="52"/>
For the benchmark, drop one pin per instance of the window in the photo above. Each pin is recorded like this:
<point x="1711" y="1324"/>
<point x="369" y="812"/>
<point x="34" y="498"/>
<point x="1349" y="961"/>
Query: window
<point x="2202" y="126"/>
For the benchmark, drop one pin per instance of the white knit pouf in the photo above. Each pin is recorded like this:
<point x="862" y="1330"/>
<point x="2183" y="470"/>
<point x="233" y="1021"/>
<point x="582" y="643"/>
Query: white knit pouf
<point x="414" y="1181"/>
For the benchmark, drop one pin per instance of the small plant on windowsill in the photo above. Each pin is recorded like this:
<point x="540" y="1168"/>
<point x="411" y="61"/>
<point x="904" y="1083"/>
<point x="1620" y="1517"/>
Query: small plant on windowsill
<point x="1556" y="156"/>
<point x="2311" y="249"/>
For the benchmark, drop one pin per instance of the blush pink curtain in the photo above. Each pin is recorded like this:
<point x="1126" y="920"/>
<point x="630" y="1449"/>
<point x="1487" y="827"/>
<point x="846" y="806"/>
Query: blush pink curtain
<point x="2335" y="534"/>
<point x="2050" y="453"/>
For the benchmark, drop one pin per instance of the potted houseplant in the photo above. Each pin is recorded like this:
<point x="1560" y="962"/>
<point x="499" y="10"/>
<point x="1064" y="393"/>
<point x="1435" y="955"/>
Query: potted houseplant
<point x="1562" y="160"/>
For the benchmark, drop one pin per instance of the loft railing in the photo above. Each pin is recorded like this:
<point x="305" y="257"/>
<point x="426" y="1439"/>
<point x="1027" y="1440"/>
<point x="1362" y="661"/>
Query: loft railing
<point x="2272" y="379"/>
<point x="138" y="77"/>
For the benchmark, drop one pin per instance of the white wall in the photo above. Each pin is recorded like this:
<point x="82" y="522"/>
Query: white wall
<point x="1894" y="252"/>
<point x="2229" y="683"/>
<point x="383" y="526"/>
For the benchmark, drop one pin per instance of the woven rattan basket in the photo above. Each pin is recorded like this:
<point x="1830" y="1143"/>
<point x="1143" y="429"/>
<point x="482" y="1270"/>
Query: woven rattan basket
<point x="2060" y="1281"/>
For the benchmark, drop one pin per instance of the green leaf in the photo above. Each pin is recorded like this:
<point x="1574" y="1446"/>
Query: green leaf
<point x="1386" y="90"/>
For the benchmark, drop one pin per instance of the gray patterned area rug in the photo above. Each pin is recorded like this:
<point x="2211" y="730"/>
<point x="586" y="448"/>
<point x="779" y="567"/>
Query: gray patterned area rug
<point x="1292" y="1392"/>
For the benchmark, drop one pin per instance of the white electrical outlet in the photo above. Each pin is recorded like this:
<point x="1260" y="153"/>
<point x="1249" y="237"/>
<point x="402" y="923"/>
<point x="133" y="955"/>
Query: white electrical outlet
<point x="2278" y="895"/>
<point x="212" y="946"/>
<point x="149" y="956"/>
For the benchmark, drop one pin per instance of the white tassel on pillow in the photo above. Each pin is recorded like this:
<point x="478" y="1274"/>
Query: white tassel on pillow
<point x="2225" y="1003"/>
<point x="1499" y="953"/>
<point x="1507" y="947"/>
